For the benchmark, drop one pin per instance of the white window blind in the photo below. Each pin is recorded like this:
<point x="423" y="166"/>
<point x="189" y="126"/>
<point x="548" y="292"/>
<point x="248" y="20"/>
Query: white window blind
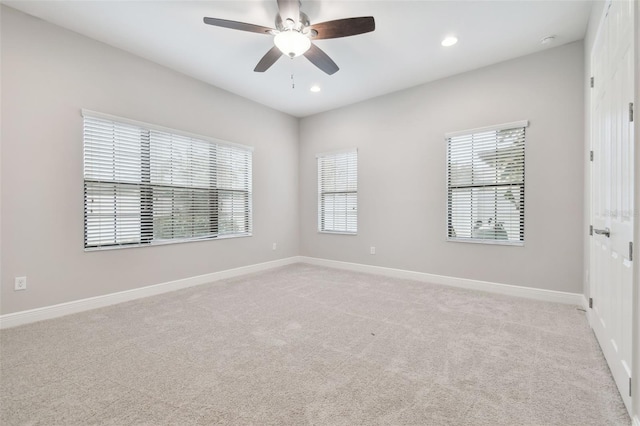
<point x="146" y="185"/>
<point x="485" y="179"/>
<point x="338" y="192"/>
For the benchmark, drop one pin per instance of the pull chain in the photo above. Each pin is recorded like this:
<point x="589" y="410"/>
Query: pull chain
<point x="293" y="81"/>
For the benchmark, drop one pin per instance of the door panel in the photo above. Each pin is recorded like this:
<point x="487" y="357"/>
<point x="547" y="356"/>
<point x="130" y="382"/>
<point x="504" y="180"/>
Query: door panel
<point x="612" y="187"/>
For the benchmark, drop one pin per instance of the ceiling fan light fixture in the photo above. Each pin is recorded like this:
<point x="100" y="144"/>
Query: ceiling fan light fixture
<point x="292" y="43"/>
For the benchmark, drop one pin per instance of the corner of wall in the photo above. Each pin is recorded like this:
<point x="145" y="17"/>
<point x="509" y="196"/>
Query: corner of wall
<point x="299" y="207"/>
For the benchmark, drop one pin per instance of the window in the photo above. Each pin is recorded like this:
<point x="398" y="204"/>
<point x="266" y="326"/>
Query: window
<point x="148" y="185"/>
<point x="485" y="179"/>
<point x="338" y="192"/>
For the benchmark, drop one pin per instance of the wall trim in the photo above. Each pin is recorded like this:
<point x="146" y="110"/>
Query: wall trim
<point x="54" y="311"/>
<point x="507" y="289"/>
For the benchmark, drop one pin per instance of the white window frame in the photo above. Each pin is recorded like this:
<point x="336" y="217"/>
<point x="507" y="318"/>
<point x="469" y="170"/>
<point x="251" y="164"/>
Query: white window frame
<point x="141" y="185"/>
<point x="450" y="231"/>
<point x="347" y="188"/>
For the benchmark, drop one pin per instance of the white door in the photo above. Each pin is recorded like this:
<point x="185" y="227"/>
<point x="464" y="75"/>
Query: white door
<point x="612" y="176"/>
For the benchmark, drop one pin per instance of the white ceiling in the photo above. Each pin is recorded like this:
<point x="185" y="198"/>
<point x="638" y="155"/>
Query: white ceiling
<point x="403" y="51"/>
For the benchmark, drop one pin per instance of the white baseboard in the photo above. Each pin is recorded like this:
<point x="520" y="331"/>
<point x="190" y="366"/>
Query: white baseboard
<point x="55" y="311"/>
<point x="636" y="421"/>
<point x="62" y="309"/>
<point x="512" y="290"/>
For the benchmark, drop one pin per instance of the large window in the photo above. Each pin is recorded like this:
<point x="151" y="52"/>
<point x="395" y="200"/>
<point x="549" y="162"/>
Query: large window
<point x="485" y="184"/>
<point x="338" y="192"/>
<point x="148" y="185"/>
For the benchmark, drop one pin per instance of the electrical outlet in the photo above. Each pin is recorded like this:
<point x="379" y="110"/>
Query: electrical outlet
<point x="275" y="246"/>
<point x="372" y="250"/>
<point x="20" y="283"/>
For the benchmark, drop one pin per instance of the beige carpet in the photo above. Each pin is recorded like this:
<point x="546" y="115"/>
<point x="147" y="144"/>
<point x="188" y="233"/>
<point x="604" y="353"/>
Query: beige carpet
<point x="308" y="345"/>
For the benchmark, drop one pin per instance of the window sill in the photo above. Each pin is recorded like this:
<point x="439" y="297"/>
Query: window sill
<point x="164" y="243"/>
<point x="337" y="233"/>
<point x="487" y="242"/>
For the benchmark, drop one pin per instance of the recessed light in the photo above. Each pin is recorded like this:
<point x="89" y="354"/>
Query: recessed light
<point x="449" y="41"/>
<point x="315" y="89"/>
<point x="548" y="39"/>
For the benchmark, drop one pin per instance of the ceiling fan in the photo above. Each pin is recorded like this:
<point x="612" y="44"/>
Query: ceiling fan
<point x="293" y="35"/>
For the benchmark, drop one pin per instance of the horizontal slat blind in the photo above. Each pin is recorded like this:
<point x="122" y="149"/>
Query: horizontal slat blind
<point x="338" y="192"/>
<point x="146" y="186"/>
<point x="485" y="179"/>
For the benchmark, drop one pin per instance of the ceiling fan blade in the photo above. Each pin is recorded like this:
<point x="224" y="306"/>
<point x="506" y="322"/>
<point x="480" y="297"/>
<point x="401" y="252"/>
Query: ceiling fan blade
<point x="235" y="25"/>
<point x="289" y="9"/>
<point x="343" y="27"/>
<point x="321" y="59"/>
<point x="269" y="59"/>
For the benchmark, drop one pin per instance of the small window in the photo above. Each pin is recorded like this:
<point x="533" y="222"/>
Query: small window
<point x="485" y="184"/>
<point x="147" y="185"/>
<point x="338" y="192"/>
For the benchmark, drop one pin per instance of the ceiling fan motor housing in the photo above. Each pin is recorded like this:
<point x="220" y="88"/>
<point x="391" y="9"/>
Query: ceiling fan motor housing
<point x="302" y="24"/>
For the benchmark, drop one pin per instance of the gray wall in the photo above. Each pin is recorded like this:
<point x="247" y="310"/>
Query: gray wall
<point x="48" y="75"/>
<point x="402" y="196"/>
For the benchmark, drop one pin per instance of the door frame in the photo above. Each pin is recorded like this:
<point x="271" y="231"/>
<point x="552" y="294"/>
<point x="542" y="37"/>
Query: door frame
<point x="635" y="384"/>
